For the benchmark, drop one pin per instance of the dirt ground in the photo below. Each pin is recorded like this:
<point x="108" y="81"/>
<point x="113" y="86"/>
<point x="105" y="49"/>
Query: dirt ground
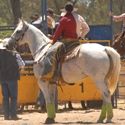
<point x="77" y="116"/>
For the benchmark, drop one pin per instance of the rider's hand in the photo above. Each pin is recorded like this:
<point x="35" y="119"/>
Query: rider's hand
<point x="50" y="36"/>
<point x="51" y="42"/>
<point x="110" y="13"/>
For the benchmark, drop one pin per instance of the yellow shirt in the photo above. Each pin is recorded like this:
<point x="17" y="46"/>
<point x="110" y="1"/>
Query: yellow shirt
<point x="50" y="22"/>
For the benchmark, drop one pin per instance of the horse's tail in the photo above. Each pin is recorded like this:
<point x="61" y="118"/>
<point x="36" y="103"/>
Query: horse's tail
<point x="115" y="66"/>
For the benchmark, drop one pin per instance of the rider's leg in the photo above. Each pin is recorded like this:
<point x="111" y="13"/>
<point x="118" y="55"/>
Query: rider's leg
<point x="50" y="62"/>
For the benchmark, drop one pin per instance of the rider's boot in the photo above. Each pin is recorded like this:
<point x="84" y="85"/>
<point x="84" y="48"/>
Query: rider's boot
<point x="49" y="68"/>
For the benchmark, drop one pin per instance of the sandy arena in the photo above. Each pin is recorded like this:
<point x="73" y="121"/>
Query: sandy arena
<point x="77" y="116"/>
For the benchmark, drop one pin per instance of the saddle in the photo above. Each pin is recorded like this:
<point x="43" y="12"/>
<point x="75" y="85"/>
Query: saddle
<point x="73" y="53"/>
<point x="55" y="57"/>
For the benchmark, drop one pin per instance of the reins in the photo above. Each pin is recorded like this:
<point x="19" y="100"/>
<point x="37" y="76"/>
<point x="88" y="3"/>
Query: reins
<point x="42" y="47"/>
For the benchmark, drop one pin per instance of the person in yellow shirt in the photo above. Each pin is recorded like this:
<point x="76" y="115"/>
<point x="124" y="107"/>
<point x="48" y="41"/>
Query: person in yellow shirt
<point x="50" y="21"/>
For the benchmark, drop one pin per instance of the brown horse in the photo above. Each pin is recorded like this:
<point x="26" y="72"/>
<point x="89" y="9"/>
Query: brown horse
<point x="119" y="43"/>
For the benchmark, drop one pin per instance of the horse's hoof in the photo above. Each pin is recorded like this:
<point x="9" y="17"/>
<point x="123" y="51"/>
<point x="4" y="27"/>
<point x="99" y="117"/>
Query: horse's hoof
<point x="100" y="121"/>
<point x="49" y="121"/>
<point x="108" y="121"/>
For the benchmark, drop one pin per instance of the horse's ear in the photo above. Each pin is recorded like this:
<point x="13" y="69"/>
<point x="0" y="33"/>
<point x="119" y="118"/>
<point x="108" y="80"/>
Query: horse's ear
<point x="19" y="20"/>
<point x="22" y="20"/>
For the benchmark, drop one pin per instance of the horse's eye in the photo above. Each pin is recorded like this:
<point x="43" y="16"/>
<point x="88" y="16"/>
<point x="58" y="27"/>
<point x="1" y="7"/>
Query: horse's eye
<point x="18" y="31"/>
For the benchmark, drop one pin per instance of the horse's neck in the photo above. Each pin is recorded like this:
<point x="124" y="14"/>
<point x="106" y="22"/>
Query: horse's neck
<point x="36" y="39"/>
<point x="122" y="34"/>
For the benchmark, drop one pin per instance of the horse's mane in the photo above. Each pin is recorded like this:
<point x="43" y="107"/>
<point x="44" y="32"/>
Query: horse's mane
<point x="46" y="38"/>
<point x="119" y="43"/>
<point x="119" y="36"/>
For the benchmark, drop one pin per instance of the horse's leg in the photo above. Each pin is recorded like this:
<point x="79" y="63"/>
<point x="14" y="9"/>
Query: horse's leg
<point x="49" y="94"/>
<point x="107" y="106"/>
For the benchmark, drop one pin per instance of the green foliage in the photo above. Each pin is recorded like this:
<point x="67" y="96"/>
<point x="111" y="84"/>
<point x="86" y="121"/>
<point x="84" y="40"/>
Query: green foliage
<point x="3" y="21"/>
<point x="4" y="34"/>
<point x="94" y="11"/>
<point x="5" y="12"/>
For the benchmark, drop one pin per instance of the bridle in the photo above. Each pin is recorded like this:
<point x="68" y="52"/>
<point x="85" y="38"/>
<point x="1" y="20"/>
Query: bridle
<point x="22" y="32"/>
<point x="21" y="35"/>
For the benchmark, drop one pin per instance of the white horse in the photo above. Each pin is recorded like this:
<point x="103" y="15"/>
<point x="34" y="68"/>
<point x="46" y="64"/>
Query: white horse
<point x="99" y="62"/>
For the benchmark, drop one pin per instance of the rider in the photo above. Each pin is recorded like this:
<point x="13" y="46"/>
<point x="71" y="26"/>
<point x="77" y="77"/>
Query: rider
<point x="71" y="25"/>
<point x="119" y="18"/>
<point x="71" y="28"/>
<point x="118" y="45"/>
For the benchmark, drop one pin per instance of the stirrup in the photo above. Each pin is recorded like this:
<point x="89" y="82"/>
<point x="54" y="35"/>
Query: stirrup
<point x="48" y="76"/>
<point x="52" y="82"/>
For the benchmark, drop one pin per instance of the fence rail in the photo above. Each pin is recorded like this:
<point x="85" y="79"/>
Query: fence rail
<point x="3" y="28"/>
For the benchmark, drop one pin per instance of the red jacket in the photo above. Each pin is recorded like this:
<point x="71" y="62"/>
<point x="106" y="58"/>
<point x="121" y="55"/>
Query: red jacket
<point x="66" y="28"/>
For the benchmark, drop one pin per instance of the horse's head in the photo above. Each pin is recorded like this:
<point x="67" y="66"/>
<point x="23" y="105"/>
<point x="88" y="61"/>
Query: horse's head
<point x="18" y="34"/>
<point x="119" y="43"/>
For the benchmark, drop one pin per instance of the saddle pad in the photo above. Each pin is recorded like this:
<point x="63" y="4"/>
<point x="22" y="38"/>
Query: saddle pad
<point x="72" y="54"/>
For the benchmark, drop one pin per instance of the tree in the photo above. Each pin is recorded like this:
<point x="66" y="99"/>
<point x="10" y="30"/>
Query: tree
<point x="15" y="4"/>
<point x="94" y="11"/>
